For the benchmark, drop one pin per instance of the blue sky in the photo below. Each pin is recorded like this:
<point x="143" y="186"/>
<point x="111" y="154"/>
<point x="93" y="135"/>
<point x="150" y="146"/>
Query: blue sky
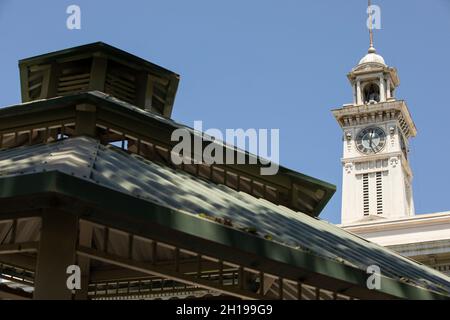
<point x="266" y="64"/>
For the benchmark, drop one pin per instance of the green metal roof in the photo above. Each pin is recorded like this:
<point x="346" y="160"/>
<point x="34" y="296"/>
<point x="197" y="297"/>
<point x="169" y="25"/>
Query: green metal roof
<point x="179" y="201"/>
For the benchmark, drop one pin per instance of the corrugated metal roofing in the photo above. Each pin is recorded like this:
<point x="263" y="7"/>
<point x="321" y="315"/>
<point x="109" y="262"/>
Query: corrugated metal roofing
<point x="111" y="167"/>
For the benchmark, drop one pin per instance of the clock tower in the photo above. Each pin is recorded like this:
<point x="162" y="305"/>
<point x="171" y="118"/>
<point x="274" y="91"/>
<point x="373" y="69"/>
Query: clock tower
<point x="377" y="128"/>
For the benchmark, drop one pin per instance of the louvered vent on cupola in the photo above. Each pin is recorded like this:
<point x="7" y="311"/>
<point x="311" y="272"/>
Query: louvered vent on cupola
<point x="74" y="77"/>
<point x="120" y="83"/>
<point x="101" y="67"/>
<point x="35" y="79"/>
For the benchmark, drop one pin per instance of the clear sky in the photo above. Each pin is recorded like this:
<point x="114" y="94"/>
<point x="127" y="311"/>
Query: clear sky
<point x="266" y="64"/>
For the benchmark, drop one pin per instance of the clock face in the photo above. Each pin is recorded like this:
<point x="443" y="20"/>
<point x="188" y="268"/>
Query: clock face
<point x="370" y="140"/>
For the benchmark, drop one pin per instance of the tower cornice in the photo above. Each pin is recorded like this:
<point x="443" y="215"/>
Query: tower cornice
<point x="351" y="115"/>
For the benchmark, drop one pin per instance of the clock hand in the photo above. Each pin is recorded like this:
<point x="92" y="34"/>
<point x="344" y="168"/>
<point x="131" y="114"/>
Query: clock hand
<point x="370" y="139"/>
<point x="371" y="142"/>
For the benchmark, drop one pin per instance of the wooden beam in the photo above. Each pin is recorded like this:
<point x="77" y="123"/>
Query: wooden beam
<point x="18" y="247"/>
<point x="101" y="274"/>
<point x="22" y="261"/>
<point x="164" y="273"/>
<point x="116" y="274"/>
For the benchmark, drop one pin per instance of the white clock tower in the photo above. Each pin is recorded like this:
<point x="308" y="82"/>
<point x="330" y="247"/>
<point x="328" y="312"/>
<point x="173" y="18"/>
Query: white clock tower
<point x="377" y="128"/>
<point x="377" y="201"/>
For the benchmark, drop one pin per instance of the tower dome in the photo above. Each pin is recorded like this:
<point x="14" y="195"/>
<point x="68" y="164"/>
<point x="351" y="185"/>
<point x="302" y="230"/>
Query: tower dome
<point x="372" y="57"/>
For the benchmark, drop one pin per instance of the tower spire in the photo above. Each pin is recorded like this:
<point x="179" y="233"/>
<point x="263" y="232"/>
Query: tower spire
<point x="369" y="11"/>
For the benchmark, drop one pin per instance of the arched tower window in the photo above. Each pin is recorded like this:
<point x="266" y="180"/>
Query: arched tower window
<point x="371" y="93"/>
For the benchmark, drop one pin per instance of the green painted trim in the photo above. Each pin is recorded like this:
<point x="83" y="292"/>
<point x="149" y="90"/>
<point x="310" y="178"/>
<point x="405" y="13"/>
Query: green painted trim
<point x="128" y="213"/>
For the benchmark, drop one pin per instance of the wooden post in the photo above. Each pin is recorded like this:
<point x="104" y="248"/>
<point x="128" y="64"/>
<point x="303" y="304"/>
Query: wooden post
<point x="85" y="120"/>
<point x="144" y="90"/>
<point x="85" y="239"/>
<point x="52" y="90"/>
<point x="57" y="250"/>
<point x="98" y="73"/>
<point x="24" y="83"/>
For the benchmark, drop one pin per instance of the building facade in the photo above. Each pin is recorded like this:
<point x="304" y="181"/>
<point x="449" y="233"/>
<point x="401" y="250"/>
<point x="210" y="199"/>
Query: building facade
<point x="424" y="237"/>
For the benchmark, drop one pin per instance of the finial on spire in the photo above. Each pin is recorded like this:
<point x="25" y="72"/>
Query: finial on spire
<point x="369" y="11"/>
